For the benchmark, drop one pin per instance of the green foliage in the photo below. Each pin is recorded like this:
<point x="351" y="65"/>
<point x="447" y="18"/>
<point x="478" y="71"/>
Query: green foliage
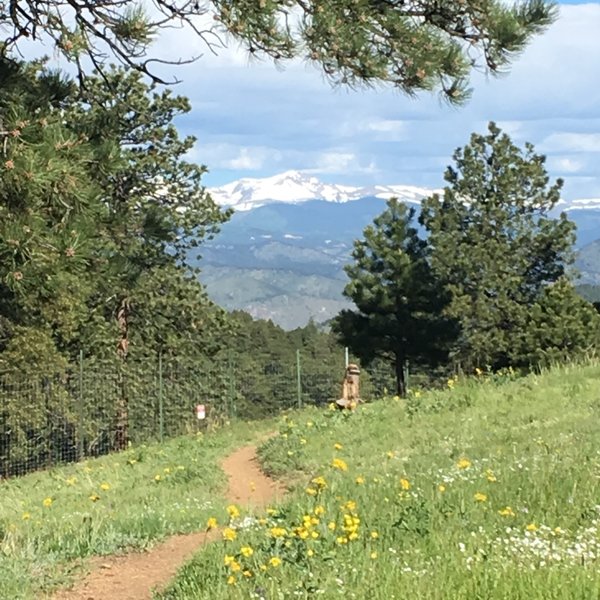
<point x="398" y="300"/>
<point x="496" y="249"/>
<point x="411" y="46"/>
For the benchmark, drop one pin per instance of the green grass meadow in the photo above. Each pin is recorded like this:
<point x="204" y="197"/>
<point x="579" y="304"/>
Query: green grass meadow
<point x="51" y="520"/>
<point x="488" y="489"/>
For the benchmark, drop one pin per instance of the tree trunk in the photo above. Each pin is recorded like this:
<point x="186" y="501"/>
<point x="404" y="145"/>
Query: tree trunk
<point x="121" y="439"/>
<point x="400" y="379"/>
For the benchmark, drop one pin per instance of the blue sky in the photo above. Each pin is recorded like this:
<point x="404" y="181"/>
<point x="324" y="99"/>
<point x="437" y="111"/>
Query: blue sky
<point x="253" y="119"/>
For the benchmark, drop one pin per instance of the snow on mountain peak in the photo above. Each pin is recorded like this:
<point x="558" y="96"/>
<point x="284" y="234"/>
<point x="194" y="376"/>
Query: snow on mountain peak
<point x="295" y="187"/>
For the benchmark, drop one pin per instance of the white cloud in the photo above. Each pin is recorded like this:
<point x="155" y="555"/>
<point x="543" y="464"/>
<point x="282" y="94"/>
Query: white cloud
<point x="261" y="118"/>
<point x="571" y="142"/>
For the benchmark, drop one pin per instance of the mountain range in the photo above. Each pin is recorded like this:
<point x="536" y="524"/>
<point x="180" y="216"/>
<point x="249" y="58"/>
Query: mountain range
<point x="281" y="255"/>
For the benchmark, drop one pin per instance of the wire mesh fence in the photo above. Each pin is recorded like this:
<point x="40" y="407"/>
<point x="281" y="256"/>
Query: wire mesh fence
<point x="92" y="408"/>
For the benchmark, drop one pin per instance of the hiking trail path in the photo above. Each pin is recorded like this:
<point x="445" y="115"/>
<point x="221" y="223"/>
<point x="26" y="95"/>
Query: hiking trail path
<point x="135" y="576"/>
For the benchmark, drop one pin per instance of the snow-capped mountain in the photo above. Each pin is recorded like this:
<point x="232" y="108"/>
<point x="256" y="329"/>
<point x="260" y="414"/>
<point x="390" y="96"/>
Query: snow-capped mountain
<point x="294" y="187"/>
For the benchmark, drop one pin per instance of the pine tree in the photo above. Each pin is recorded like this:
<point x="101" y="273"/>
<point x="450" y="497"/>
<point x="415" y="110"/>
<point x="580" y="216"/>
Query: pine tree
<point x="411" y="46"/>
<point x="398" y="302"/>
<point x="497" y="248"/>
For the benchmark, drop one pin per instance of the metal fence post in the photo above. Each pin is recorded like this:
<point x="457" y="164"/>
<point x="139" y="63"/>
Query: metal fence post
<point x="80" y="427"/>
<point x="161" y="407"/>
<point x="299" y="378"/>
<point x="231" y="386"/>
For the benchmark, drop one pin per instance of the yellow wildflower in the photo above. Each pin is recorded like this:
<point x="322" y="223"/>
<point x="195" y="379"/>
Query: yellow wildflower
<point x="338" y="463"/>
<point x="360" y="480"/>
<point x="374" y="535"/>
<point x="231" y="580"/>
<point x="47" y="502"/>
<point x="490" y="476"/>
<point x="277" y="532"/>
<point x="390" y="454"/>
<point x="479" y="497"/>
<point x="463" y="463"/>
<point x="105" y="486"/>
<point x="247" y="573"/>
<point x="441" y="488"/>
<point x="229" y="534"/>
<point x="234" y="511"/>
<point x="310" y="552"/>
<point x="235" y="566"/>
<point x="71" y="480"/>
<point x="506" y="512"/>
<point x="94" y="497"/>
<point x="319" y="511"/>
<point x="350" y="505"/>
<point x="338" y="446"/>
<point x="373" y="555"/>
<point x="341" y="540"/>
<point x="311" y="491"/>
<point x="320" y="482"/>
<point x="246" y="551"/>
<point x="302" y="441"/>
<point x="211" y="523"/>
<point x="228" y="559"/>
<point x="26" y="516"/>
<point x="157" y="477"/>
<point x="405" y="484"/>
<point x="331" y="526"/>
<point x="275" y="561"/>
<point x="531" y="527"/>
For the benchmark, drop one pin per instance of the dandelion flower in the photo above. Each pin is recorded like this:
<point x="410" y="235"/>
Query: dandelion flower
<point x="374" y="535"/>
<point x="463" y="463"/>
<point x="506" y="512"/>
<point x="331" y="526"/>
<point x="231" y="580"/>
<point x="228" y="559"/>
<point x="157" y="477"/>
<point x="47" y="502"/>
<point x="229" y="534"/>
<point x="247" y="573"/>
<point x="320" y="482"/>
<point x="246" y="551"/>
<point x="479" y="497"/>
<point x="275" y="561"/>
<point x="211" y="523"/>
<point x="319" y="511"/>
<point x="278" y="532"/>
<point x="233" y="511"/>
<point x="340" y="464"/>
<point x="531" y="527"/>
<point x="373" y="555"/>
<point x="405" y="484"/>
<point x="311" y="491"/>
<point x="360" y="480"/>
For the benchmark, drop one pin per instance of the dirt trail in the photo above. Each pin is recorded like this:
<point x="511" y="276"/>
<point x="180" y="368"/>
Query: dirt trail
<point x="134" y="576"/>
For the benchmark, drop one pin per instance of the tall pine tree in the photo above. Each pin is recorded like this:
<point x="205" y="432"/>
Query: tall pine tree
<point x="496" y="246"/>
<point x="398" y="301"/>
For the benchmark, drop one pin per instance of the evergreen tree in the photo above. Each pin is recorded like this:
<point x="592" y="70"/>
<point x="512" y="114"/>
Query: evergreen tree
<point x="411" y="46"/>
<point x="497" y="248"/>
<point x="398" y="301"/>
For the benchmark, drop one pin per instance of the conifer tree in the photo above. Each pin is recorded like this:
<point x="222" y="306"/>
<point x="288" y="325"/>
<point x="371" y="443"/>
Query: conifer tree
<point x="398" y="302"/>
<point x="411" y="46"/>
<point x="497" y="248"/>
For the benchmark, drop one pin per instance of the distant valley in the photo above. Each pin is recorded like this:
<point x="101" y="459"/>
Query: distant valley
<point x="281" y="256"/>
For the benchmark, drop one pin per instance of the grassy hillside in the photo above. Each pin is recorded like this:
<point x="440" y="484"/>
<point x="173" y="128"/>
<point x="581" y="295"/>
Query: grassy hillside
<point x="50" y="520"/>
<point x="489" y="489"/>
